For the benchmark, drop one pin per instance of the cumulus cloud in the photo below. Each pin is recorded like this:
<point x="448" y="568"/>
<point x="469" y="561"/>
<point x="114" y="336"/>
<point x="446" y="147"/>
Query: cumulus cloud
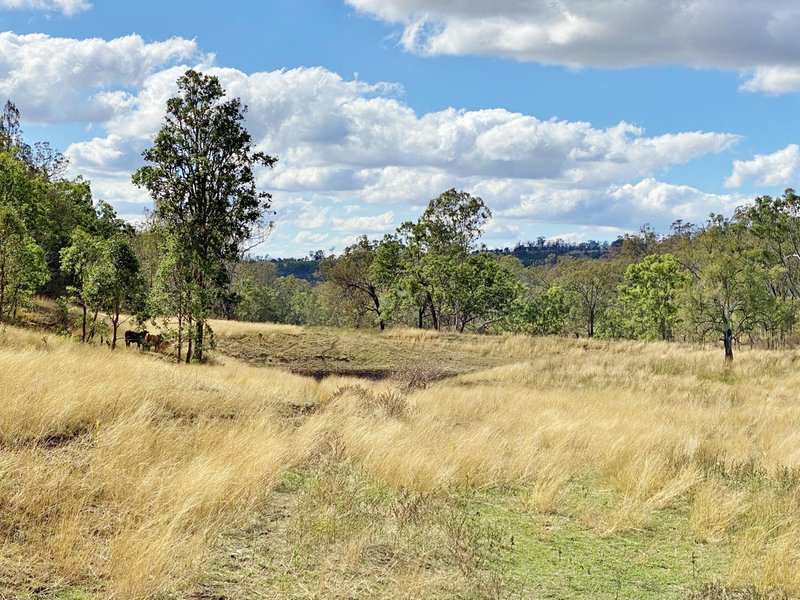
<point x="780" y="168"/>
<point x="66" y="7"/>
<point x="342" y="141"/>
<point x="754" y="37"/>
<point x="620" y="206"/>
<point x="348" y="140"/>
<point x="614" y="33"/>
<point x="773" y="80"/>
<point x="667" y="201"/>
<point x="54" y="80"/>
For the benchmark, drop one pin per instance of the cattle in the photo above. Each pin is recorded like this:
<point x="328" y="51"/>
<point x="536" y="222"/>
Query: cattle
<point x="154" y="341"/>
<point x="135" y="337"/>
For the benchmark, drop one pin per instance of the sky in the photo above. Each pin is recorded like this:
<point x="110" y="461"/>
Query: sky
<point x="575" y="119"/>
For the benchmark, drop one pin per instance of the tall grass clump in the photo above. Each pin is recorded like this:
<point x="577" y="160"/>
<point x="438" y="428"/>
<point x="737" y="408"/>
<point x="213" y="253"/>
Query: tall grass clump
<point x="120" y="470"/>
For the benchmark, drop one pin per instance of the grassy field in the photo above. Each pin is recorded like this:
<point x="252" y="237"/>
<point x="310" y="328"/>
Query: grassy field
<point x="411" y="465"/>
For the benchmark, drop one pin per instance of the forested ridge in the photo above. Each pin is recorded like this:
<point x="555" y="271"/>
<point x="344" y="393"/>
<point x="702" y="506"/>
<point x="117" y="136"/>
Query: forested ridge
<point x="733" y="279"/>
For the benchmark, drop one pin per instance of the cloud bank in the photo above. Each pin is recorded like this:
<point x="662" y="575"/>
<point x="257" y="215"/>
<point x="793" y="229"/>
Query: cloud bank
<point x="353" y="157"/>
<point x="757" y="38"/>
<point x="60" y="79"/>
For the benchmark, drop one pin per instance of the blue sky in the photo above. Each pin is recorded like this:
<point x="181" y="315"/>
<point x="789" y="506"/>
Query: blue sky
<point x="575" y="118"/>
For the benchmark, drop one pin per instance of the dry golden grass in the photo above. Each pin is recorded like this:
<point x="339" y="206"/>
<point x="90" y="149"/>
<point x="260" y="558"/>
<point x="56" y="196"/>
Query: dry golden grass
<point x="118" y="473"/>
<point x="121" y="470"/>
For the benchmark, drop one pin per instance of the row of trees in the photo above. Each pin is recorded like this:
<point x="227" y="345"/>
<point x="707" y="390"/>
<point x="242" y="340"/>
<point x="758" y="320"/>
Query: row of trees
<point x="54" y="238"/>
<point x="731" y="280"/>
<point x="433" y="268"/>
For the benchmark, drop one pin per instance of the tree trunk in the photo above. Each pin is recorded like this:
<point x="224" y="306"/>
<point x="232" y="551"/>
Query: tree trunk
<point x="94" y="323"/>
<point x="590" y="330"/>
<point x="180" y="335"/>
<point x="728" y="341"/>
<point x="83" y="326"/>
<point x="115" y="327"/>
<point x="421" y="315"/>
<point x="2" y="291"/>
<point x="198" y="344"/>
<point x="188" y="339"/>
<point x="374" y="295"/>
<point x="434" y="316"/>
<point x="15" y="305"/>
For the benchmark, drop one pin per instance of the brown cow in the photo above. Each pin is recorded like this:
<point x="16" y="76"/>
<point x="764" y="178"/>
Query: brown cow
<point x="154" y="341"/>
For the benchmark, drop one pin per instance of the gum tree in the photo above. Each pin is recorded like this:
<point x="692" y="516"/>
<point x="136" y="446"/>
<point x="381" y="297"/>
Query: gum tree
<point x="728" y="295"/>
<point x="200" y="176"/>
<point x="649" y="296"/>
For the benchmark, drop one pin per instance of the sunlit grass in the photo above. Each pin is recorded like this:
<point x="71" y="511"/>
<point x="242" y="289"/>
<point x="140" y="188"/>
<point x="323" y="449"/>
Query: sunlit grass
<point x="121" y="474"/>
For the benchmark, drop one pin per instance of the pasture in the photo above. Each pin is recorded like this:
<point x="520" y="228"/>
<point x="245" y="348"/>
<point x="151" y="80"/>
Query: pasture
<point x="407" y="465"/>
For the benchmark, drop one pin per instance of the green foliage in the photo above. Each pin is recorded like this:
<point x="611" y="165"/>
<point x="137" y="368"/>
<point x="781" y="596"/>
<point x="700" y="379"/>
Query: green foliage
<point x="729" y="295"/>
<point x="103" y="274"/>
<point x="591" y="287"/>
<point x="261" y="296"/>
<point x="546" y="314"/>
<point x="84" y="261"/>
<point x="24" y="193"/>
<point x="22" y="263"/>
<point x="172" y="292"/>
<point x="452" y="223"/>
<point x="649" y="297"/>
<point x="358" y="283"/>
<point x="123" y="284"/>
<point x="431" y="267"/>
<point x="775" y="223"/>
<point x="481" y="291"/>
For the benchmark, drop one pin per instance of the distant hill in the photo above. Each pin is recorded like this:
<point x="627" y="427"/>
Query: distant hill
<point x="542" y="251"/>
<point x="529" y="253"/>
<point x="302" y="268"/>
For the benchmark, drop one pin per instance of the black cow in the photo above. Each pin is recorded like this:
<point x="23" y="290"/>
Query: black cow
<point x="135" y="337"/>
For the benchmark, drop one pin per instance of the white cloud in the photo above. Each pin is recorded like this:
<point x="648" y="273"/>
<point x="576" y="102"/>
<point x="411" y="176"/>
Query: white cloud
<point x="613" y="33"/>
<point x="780" y="168"/>
<point x="336" y="135"/>
<point x="338" y="141"/>
<point x="116" y="188"/>
<point x="304" y="238"/>
<point x="668" y="202"/>
<point x="66" y="7"/>
<point x="625" y="206"/>
<point x="365" y="224"/>
<point x="54" y="80"/>
<point x="754" y="37"/>
<point x="773" y="80"/>
<point x="313" y="216"/>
